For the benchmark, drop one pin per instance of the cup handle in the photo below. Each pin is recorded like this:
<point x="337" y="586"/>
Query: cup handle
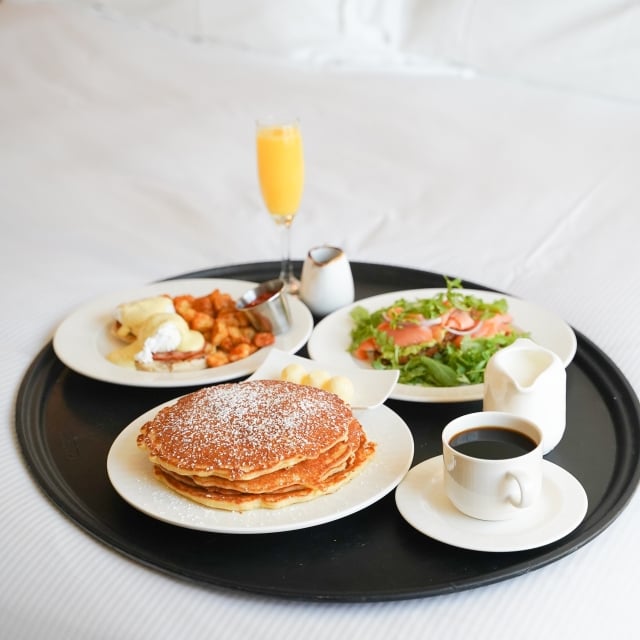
<point x="527" y="493"/>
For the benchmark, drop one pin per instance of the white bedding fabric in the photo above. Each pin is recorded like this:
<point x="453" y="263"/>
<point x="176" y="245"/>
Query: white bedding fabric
<point x="589" y="46"/>
<point x="483" y="140"/>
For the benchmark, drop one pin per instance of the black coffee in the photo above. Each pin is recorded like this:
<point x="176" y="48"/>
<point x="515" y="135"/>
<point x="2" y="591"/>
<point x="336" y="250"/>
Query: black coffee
<point x="492" y="443"/>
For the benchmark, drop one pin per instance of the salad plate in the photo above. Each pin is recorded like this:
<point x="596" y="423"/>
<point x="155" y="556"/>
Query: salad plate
<point x="131" y="474"/>
<point x="83" y="340"/>
<point x="331" y="338"/>
<point x="370" y="387"/>
<point x="423" y="503"/>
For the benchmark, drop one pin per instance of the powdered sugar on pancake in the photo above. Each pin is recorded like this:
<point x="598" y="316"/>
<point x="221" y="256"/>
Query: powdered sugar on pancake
<point x="244" y="430"/>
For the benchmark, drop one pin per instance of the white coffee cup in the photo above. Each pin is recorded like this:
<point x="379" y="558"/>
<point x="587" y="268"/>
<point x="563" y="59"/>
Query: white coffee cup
<point x="492" y="464"/>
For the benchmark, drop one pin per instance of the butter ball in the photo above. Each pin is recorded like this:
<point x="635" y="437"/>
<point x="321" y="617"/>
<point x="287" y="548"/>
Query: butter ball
<point x="316" y="378"/>
<point x="341" y="386"/>
<point x="293" y="372"/>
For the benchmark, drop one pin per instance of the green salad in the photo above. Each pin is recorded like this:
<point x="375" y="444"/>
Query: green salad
<point x="442" y="341"/>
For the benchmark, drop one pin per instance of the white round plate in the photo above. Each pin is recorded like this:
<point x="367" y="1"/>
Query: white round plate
<point x="84" y="340"/>
<point x="371" y="387"/>
<point x="422" y="502"/>
<point x="332" y="335"/>
<point x="131" y="474"/>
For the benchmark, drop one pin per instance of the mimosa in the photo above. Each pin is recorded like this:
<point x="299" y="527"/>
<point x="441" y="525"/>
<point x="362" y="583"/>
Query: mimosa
<point x="281" y="176"/>
<point x="281" y="168"/>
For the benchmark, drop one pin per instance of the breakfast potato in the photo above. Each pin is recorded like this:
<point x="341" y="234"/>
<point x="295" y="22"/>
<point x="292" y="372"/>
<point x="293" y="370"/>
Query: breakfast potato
<point x="228" y="333"/>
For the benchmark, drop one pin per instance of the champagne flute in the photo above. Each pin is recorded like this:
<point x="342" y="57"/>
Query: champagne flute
<point x="281" y="175"/>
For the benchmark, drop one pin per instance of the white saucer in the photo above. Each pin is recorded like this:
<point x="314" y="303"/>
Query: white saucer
<point x="421" y="500"/>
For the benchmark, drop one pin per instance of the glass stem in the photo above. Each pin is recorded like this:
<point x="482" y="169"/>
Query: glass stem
<point x="286" y="267"/>
<point x="286" y="271"/>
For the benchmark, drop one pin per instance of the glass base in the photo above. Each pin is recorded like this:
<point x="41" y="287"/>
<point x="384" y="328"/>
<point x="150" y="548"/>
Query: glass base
<point x="291" y="284"/>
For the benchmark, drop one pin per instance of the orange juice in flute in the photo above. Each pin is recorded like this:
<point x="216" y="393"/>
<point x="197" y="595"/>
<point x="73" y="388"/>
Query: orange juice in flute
<point x="281" y="175"/>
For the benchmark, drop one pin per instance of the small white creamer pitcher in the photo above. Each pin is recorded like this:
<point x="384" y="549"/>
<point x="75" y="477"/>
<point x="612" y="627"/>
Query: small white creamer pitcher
<point x="530" y="381"/>
<point x="326" y="283"/>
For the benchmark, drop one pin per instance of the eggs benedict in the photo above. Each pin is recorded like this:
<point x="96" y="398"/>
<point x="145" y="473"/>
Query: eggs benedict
<point x="163" y="342"/>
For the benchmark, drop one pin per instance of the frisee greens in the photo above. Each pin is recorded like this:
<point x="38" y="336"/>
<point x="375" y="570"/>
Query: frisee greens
<point x="447" y="364"/>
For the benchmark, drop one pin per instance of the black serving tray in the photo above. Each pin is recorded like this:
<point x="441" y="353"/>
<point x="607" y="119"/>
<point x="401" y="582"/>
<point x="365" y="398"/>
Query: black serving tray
<point x="65" y="425"/>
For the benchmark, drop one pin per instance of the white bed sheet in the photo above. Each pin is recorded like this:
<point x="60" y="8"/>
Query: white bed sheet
<point x="126" y="156"/>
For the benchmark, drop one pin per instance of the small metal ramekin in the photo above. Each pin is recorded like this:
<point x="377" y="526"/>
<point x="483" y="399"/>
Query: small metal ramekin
<point x="271" y="313"/>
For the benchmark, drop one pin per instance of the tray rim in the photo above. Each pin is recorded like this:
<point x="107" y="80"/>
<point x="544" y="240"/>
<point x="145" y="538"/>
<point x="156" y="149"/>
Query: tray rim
<point x="46" y="366"/>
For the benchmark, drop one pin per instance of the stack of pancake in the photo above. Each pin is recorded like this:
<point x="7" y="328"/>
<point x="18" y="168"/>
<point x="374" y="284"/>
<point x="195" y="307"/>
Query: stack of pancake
<point x="256" y="444"/>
